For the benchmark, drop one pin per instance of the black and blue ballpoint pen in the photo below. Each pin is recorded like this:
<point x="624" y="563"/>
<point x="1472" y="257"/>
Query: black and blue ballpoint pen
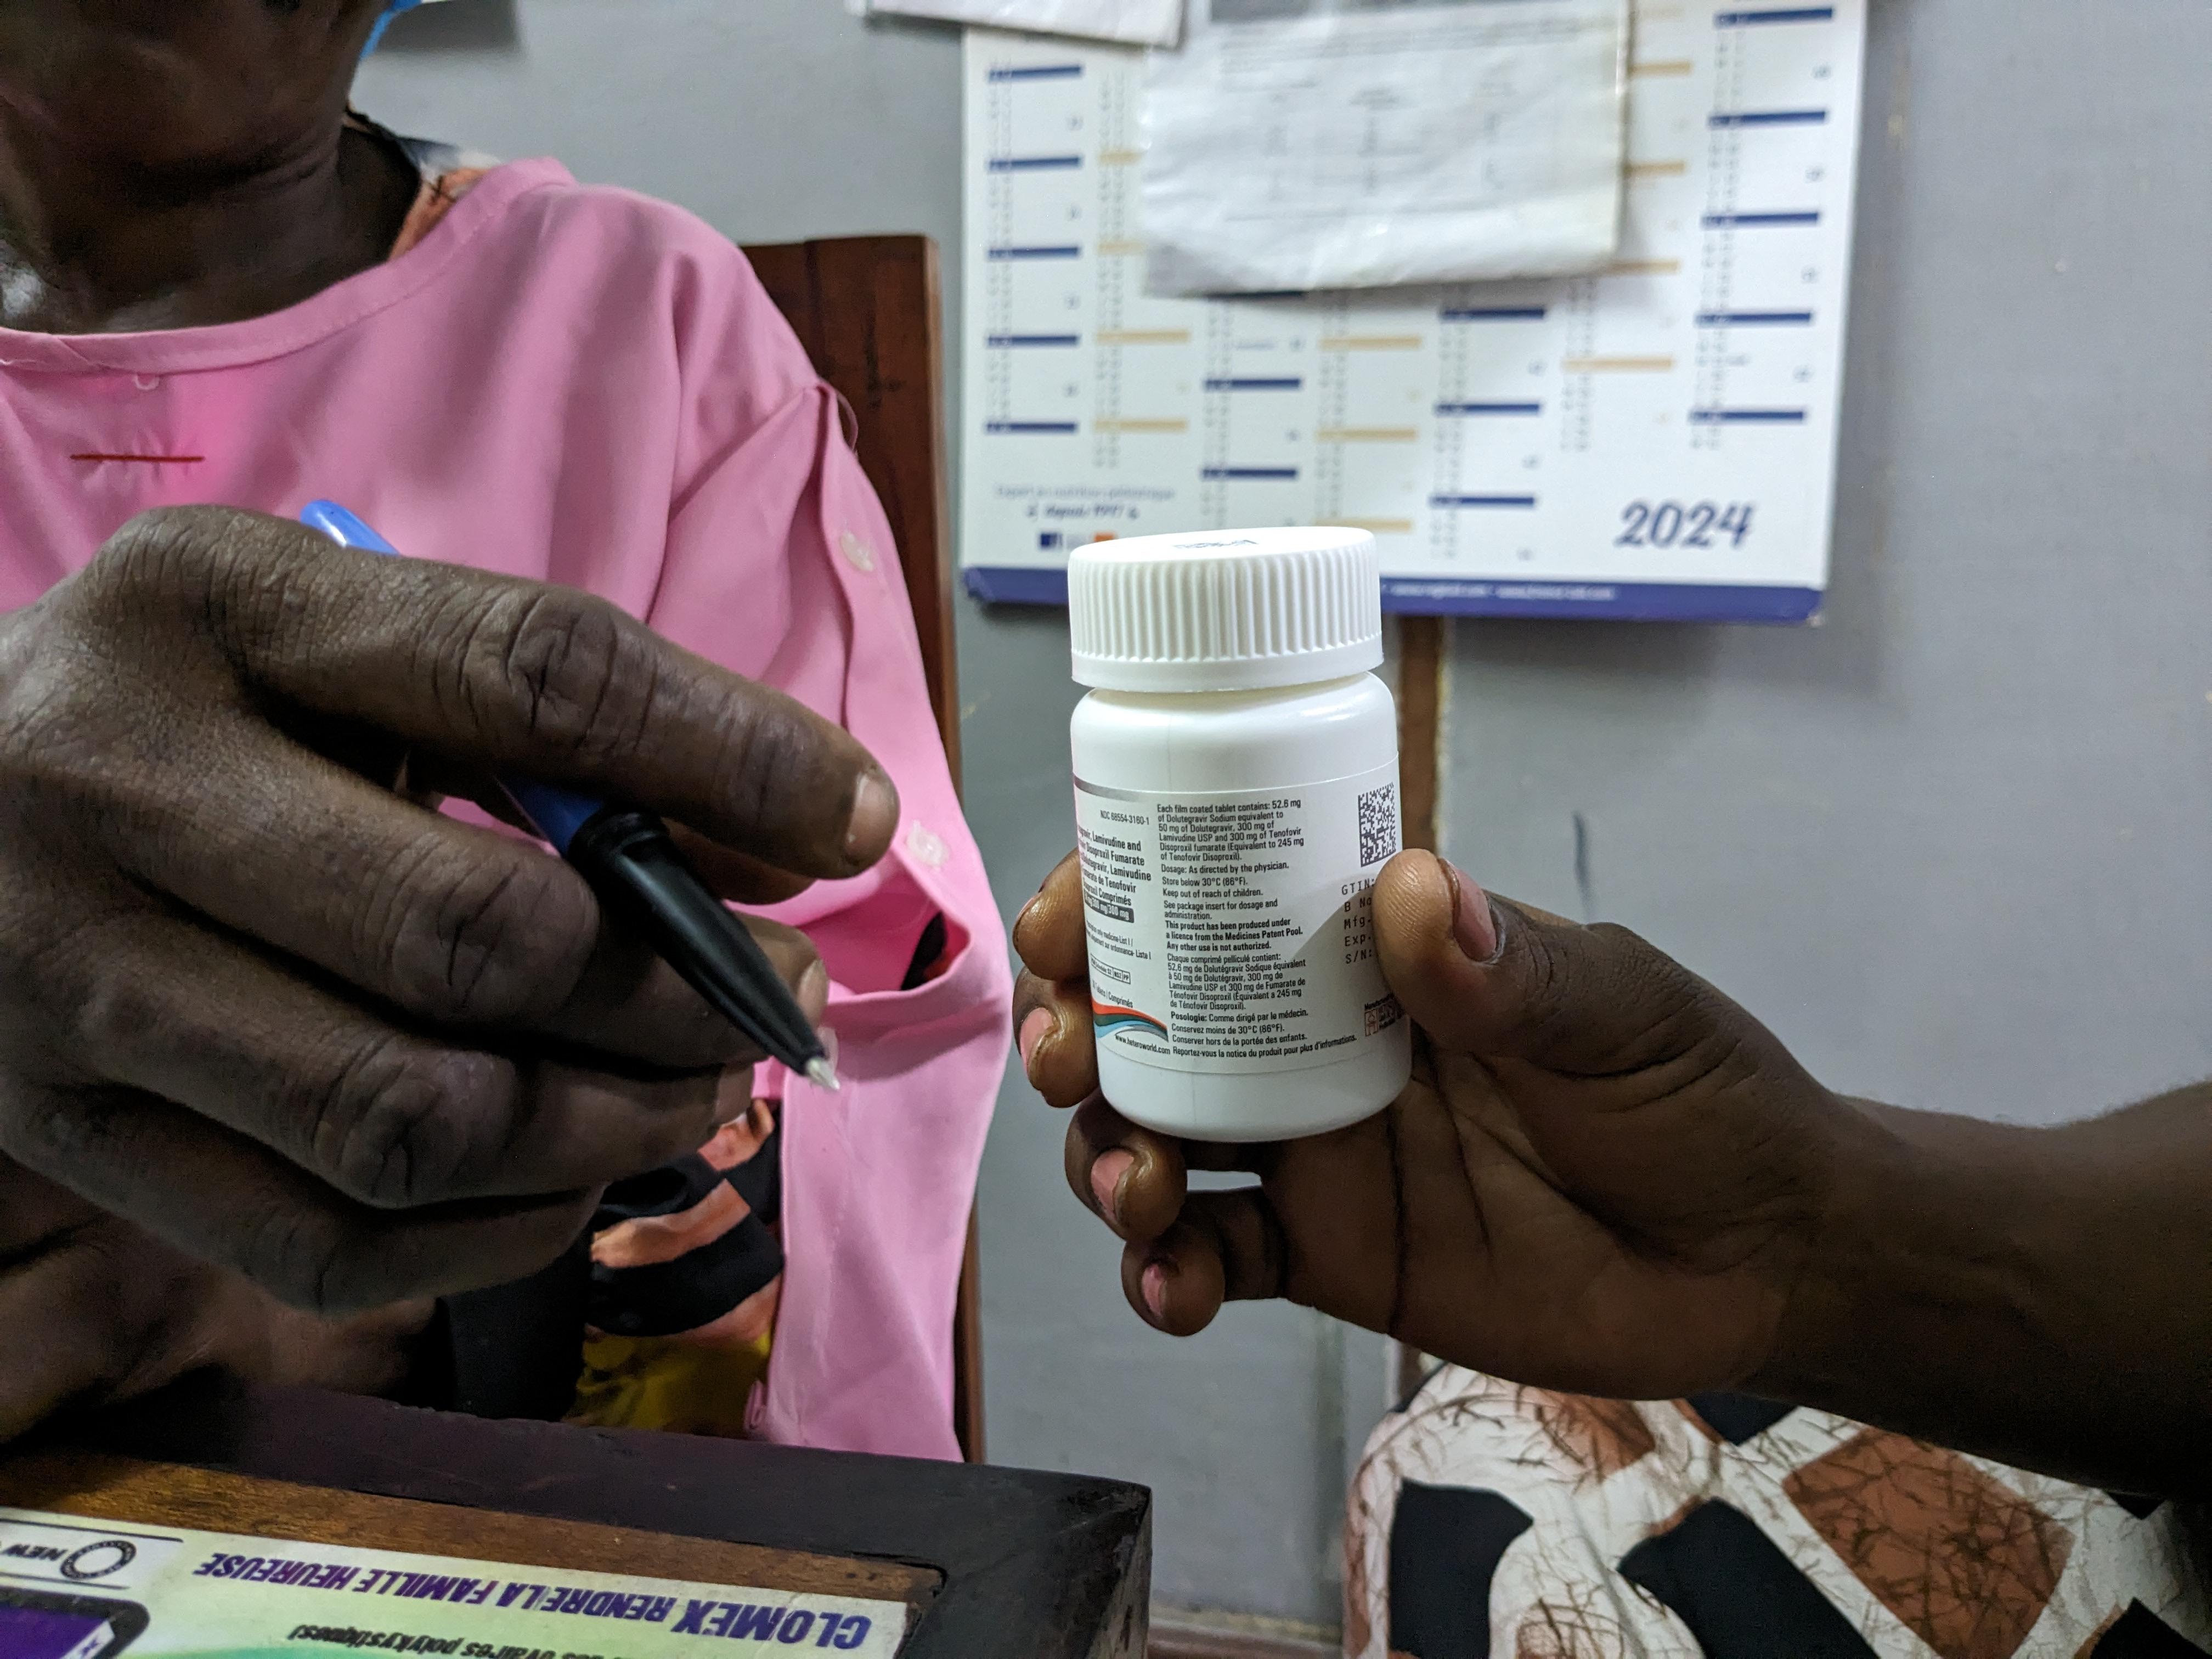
<point x="634" y="865"/>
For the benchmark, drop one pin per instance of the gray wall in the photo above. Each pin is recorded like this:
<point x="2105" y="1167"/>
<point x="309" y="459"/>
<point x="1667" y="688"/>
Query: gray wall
<point x="1953" y="844"/>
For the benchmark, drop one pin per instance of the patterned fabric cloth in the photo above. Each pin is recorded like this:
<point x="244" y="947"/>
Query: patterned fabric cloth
<point x="1488" y="1518"/>
<point x="687" y="1260"/>
<point x="687" y="1265"/>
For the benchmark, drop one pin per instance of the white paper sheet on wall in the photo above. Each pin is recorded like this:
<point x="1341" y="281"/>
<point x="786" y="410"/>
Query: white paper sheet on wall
<point x="1139" y="22"/>
<point x="1301" y="144"/>
<point x="1657" y="440"/>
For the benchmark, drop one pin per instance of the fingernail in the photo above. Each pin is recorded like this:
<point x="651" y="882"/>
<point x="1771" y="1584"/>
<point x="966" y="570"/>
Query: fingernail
<point x="1106" y="1172"/>
<point x="1021" y="920"/>
<point x="875" y="815"/>
<point x="1153" y="1284"/>
<point x="1474" y="925"/>
<point x="1034" y="1029"/>
<point x="814" y="990"/>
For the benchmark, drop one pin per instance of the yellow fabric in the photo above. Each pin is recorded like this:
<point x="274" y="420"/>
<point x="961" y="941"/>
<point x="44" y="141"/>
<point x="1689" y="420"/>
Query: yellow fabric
<point x="666" y="1382"/>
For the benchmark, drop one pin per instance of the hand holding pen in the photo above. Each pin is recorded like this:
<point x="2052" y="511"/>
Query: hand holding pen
<point x="304" y="1029"/>
<point x="634" y="865"/>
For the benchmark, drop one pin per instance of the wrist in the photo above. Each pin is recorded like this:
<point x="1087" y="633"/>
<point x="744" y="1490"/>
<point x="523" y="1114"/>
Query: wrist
<point x="2012" y="1292"/>
<point x="1904" y="1255"/>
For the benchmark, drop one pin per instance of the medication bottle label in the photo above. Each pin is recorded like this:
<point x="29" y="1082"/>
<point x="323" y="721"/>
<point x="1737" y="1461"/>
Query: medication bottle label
<point x="1235" y="932"/>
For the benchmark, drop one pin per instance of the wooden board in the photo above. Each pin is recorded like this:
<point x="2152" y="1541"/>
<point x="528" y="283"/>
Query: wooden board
<point x="1421" y="644"/>
<point x="1000" y="1564"/>
<point x="1424" y="656"/>
<point x="866" y="308"/>
<point x="105" y="1487"/>
<point x="1191" y="1642"/>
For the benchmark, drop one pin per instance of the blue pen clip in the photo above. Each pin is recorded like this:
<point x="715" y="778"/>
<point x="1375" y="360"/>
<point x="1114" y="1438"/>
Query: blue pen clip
<point x="556" y="814"/>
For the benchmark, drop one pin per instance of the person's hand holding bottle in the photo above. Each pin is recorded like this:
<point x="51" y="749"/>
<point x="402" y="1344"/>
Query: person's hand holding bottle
<point x="1608" y="1178"/>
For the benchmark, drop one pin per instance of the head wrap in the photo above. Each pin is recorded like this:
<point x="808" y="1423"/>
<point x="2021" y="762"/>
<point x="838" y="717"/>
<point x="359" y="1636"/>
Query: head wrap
<point x="390" y="11"/>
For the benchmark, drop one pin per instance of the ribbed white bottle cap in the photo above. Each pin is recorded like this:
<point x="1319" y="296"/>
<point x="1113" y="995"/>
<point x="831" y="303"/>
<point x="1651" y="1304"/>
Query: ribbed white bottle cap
<point x="1225" y="609"/>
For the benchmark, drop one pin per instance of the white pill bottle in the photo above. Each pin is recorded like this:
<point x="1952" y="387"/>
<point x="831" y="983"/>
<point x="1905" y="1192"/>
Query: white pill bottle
<point x="1236" y="796"/>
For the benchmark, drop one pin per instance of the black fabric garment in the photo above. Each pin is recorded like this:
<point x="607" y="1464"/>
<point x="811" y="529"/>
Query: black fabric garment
<point x="927" y="951"/>
<point x="1445" y="1546"/>
<point x="698" y="1287"/>
<point x="759" y="1179"/>
<point x="1741" y="1596"/>
<point x="2139" y="1633"/>
<point x="1737" y="1418"/>
<point x="512" y="1351"/>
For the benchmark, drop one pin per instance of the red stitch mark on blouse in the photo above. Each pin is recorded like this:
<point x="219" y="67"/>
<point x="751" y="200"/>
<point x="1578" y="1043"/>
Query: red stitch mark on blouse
<point x="160" y="459"/>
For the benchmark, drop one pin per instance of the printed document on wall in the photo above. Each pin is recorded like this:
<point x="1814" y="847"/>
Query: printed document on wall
<point x="1655" y="438"/>
<point x="1139" y="22"/>
<point x="1303" y="144"/>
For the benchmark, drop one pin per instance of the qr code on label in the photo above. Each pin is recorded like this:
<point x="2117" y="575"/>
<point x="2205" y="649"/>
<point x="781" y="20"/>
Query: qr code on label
<point x="1378" y="826"/>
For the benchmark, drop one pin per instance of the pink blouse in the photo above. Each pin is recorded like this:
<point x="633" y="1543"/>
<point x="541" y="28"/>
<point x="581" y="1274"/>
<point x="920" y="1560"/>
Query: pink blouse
<point x="584" y="386"/>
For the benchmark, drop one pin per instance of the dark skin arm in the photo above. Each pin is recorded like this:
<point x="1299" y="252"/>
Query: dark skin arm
<point x="2041" y="1296"/>
<point x="1608" y="1178"/>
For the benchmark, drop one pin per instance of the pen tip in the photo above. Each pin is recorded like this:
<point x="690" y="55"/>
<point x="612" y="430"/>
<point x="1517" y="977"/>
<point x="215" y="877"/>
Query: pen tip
<point x="821" y="1074"/>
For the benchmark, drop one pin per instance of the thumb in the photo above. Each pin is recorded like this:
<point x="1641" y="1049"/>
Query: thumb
<point x="1486" y="977"/>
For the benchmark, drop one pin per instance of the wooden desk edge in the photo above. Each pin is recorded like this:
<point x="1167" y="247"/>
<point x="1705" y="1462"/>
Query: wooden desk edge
<point x="1002" y="1562"/>
<point x="66" y="1482"/>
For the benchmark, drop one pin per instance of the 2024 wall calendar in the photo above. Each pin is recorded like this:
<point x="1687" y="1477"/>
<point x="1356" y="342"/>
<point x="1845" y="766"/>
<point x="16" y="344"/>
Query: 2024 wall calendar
<point x="1656" y="441"/>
